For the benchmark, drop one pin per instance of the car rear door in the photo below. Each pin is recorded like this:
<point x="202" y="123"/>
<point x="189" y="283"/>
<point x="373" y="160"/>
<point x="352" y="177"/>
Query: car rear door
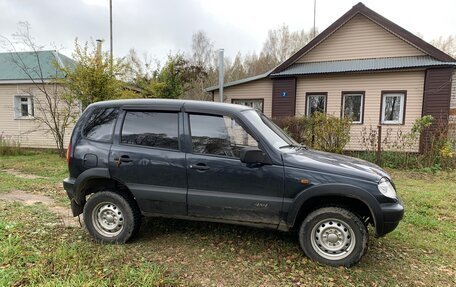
<point x="220" y="186"/>
<point x="146" y="156"/>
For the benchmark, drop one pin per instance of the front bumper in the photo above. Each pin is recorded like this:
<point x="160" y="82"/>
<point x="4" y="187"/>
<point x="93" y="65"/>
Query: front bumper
<point x="392" y="215"/>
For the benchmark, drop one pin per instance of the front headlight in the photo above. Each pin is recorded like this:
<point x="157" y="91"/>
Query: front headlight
<point x="386" y="188"/>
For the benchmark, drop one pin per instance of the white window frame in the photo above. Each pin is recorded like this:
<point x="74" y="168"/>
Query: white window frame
<point x="18" y="107"/>
<point x="400" y="121"/>
<point x="325" y="95"/>
<point x="361" y="111"/>
<point x="245" y="101"/>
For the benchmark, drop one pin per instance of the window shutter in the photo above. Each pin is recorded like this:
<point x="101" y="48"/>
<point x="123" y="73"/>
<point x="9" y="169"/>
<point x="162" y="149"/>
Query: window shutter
<point x="17" y="107"/>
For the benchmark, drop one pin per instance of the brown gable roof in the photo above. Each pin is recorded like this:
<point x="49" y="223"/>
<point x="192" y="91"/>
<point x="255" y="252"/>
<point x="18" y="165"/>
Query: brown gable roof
<point x="360" y="8"/>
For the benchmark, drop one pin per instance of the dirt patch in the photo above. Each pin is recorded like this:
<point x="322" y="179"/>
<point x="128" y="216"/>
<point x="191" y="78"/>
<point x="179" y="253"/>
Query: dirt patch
<point x="27" y="198"/>
<point x="20" y="174"/>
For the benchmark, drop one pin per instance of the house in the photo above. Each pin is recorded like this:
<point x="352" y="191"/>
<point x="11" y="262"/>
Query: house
<point x="362" y="66"/>
<point x="22" y="76"/>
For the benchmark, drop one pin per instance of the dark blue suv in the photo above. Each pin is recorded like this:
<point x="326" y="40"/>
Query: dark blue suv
<point x="226" y="163"/>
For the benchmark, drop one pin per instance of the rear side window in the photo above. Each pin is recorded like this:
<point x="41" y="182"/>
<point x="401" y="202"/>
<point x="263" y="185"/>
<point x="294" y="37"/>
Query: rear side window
<point x="151" y="129"/>
<point x="100" y="125"/>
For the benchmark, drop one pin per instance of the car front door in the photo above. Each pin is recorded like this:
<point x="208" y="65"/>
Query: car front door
<point x="220" y="186"/>
<point x="146" y="157"/>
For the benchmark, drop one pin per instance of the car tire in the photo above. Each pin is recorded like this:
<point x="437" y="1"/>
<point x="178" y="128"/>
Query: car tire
<point x="111" y="217"/>
<point x="334" y="236"/>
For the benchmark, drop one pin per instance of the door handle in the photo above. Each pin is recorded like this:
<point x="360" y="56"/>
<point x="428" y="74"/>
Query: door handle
<point x="122" y="158"/>
<point x="125" y="158"/>
<point x="199" y="166"/>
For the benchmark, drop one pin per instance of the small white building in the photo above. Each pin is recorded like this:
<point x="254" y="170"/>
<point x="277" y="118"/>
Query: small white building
<point x="21" y="76"/>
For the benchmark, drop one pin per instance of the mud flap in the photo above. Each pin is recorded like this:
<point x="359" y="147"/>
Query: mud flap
<point x="76" y="208"/>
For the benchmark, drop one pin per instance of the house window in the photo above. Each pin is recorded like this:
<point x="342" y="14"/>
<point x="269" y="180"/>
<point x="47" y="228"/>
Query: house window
<point x="254" y="103"/>
<point x="352" y="106"/>
<point x="23" y="107"/>
<point x="393" y="107"/>
<point x="316" y="103"/>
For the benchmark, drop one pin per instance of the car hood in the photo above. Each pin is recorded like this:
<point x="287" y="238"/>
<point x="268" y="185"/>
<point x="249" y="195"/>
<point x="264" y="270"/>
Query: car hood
<point x="333" y="164"/>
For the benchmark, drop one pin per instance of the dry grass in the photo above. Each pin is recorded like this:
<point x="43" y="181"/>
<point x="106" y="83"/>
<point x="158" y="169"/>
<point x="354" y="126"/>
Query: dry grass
<point x="35" y="249"/>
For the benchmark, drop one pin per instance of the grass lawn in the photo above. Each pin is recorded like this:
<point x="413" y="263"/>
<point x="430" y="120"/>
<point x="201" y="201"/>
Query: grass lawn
<point x="35" y="249"/>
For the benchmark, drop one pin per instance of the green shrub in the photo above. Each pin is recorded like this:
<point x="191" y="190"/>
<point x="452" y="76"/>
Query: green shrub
<point x="293" y="126"/>
<point x="8" y="146"/>
<point x="331" y="134"/>
<point x="439" y="154"/>
<point x="441" y="149"/>
<point x="319" y="131"/>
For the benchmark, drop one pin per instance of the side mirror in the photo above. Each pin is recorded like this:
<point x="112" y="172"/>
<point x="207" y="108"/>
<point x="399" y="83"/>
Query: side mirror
<point x="254" y="156"/>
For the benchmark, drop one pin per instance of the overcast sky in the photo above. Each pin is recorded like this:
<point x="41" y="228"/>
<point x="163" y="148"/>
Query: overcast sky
<point x="157" y="27"/>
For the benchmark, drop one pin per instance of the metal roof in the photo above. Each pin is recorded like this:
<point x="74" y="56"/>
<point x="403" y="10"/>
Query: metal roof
<point x="361" y="65"/>
<point x="241" y="81"/>
<point x="373" y="16"/>
<point x="22" y="66"/>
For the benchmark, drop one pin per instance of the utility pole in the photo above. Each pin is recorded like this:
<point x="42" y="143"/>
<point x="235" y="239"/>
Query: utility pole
<point x="221" y="74"/>
<point x="110" y="32"/>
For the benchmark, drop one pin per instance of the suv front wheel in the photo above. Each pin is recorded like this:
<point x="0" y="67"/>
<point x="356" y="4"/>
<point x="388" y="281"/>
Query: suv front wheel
<point x="333" y="236"/>
<point x="111" y="217"/>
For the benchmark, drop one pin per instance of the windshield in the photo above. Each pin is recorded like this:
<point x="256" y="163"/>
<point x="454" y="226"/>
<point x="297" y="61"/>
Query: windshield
<point x="273" y="134"/>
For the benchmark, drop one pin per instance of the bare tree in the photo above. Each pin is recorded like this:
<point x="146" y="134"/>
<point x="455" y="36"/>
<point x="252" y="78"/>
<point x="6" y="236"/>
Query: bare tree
<point x="281" y="43"/>
<point x="236" y="69"/>
<point x="279" y="46"/>
<point x="203" y="53"/>
<point x="446" y="44"/>
<point x="56" y="109"/>
<point x="256" y="65"/>
<point x="139" y="66"/>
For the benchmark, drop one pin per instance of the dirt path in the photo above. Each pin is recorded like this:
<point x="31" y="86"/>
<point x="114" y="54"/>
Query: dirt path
<point x="20" y="174"/>
<point x="27" y="198"/>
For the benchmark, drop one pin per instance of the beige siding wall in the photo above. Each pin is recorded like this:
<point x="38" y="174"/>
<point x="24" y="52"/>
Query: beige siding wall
<point x="373" y="84"/>
<point x="28" y="132"/>
<point x="360" y="38"/>
<point x="260" y="89"/>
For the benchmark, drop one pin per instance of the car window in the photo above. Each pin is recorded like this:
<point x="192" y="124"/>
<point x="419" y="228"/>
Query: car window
<point x="268" y="129"/>
<point x="152" y="129"/>
<point x="100" y="124"/>
<point x="219" y="135"/>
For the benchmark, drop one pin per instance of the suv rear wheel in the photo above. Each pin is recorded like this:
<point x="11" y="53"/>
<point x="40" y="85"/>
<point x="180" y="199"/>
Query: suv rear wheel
<point x="111" y="217"/>
<point x="333" y="236"/>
